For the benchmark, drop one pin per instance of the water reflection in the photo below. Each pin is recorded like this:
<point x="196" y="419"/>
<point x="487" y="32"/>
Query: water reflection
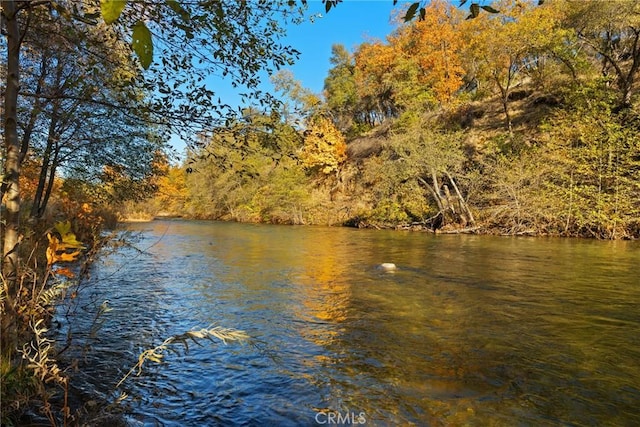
<point x="468" y="331"/>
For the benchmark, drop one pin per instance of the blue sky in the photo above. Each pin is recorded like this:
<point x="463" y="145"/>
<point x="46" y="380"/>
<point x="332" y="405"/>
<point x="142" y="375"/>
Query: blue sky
<point x="351" y="23"/>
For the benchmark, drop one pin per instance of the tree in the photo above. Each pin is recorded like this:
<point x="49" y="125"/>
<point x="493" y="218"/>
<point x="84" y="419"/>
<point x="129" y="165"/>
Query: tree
<point x="69" y="121"/>
<point x="417" y="69"/>
<point x="12" y="162"/>
<point x="299" y="102"/>
<point x="375" y="82"/>
<point x="248" y="172"/>
<point x="433" y="159"/>
<point x="434" y="43"/>
<point x="340" y="88"/>
<point x="171" y="194"/>
<point x="324" y="146"/>
<point x="596" y="155"/>
<point x="611" y="31"/>
<point x="193" y="42"/>
<point x="504" y="48"/>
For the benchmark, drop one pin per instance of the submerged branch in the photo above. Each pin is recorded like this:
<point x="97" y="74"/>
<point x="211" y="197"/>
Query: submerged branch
<point x="157" y="353"/>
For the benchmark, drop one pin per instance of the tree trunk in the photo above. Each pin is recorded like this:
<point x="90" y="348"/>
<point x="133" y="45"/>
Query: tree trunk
<point x="11" y="182"/>
<point x="35" y="111"/>
<point x="463" y="204"/>
<point x="507" y="116"/>
<point x="47" y="193"/>
<point x="433" y="193"/>
<point x="46" y="169"/>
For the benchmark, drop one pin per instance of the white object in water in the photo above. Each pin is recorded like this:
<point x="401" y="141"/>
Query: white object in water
<point x="388" y="266"/>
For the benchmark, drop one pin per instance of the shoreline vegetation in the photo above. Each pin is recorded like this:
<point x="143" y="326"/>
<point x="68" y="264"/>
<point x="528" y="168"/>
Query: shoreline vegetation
<point x="567" y="169"/>
<point x="524" y="122"/>
<point x="536" y="136"/>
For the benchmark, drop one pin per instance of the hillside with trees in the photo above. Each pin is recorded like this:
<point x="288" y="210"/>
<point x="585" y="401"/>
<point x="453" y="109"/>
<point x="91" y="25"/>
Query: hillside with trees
<point x="522" y="122"/>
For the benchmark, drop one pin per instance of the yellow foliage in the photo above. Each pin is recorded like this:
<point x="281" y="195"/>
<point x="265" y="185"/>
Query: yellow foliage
<point x="425" y="54"/>
<point x="172" y="188"/>
<point x="435" y="43"/>
<point x="57" y="251"/>
<point x="324" y="146"/>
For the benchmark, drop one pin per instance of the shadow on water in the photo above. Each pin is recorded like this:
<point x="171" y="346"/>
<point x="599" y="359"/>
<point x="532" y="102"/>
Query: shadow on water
<point x="468" y="330"/>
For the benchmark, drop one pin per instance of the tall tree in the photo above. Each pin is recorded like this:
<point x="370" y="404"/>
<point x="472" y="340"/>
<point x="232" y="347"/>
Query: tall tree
<point x="12" y="163"/>
<point x="374" y="81"/>
<point x="435" y="44"/>
<point x="72" y="120"/>
<point x="298" y="101"/>
<point x="611" y="31"/>
<point x="340" y="88"/>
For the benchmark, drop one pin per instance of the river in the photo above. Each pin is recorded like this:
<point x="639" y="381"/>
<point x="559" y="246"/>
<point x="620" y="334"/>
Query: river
<point x="469" y="330"/>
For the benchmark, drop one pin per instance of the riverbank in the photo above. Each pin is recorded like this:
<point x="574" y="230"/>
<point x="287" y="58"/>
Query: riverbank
<point x="57" y="257"/>
<point x="423" y="226"/>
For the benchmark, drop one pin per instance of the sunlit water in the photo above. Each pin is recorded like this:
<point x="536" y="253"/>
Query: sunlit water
<point x="469" y="330"/>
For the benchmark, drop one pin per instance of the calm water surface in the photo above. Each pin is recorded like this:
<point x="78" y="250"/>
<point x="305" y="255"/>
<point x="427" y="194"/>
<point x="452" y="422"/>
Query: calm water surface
<point x="470" y="330"/>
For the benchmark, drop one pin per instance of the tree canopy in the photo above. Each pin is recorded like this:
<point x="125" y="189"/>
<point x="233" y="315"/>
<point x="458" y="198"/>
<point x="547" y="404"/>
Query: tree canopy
<point x="467" y="123"/>
<point x="78" y="99"/>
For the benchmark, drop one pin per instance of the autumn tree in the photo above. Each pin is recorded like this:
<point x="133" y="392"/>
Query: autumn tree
<point x="69" y="121"/>
<point x="611" y="32"/>
<point x="298" y="102"/>
<point x="434" y="43"/>
<point x="375" y="82"/>
<point x="505" y="47"/>
<point x="324" y="147"/>
<point x="596" y="155"/>
<point x="248" y="172"/>
<point x="417" y="69"/>
<point x="434" y="160"/>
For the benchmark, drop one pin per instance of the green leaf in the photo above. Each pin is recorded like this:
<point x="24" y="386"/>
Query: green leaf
<point x="475" y="10"/>
<point x="142" y="44"/>
<point x="490" y="9"/>
<point x="63" y="228"/>
<point x="411" y="12"/>
<point x="178" y="9"/>
<point x="68" y="238"/>
<point x="111" y="9"/>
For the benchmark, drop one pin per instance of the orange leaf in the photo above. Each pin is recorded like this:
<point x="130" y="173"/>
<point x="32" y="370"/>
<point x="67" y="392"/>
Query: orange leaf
<point x="65" y="272"/>
<point x="68" y="257"/>
<point x="51" y="249"/>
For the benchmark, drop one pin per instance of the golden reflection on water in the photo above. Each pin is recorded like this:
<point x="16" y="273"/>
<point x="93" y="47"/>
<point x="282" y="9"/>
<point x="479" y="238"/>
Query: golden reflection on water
<point x="468" y="331"/>
<point x="321" y="281"/>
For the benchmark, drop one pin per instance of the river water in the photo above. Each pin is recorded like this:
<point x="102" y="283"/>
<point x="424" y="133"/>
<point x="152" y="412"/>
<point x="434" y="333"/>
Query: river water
<point x="469" y="330"/>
